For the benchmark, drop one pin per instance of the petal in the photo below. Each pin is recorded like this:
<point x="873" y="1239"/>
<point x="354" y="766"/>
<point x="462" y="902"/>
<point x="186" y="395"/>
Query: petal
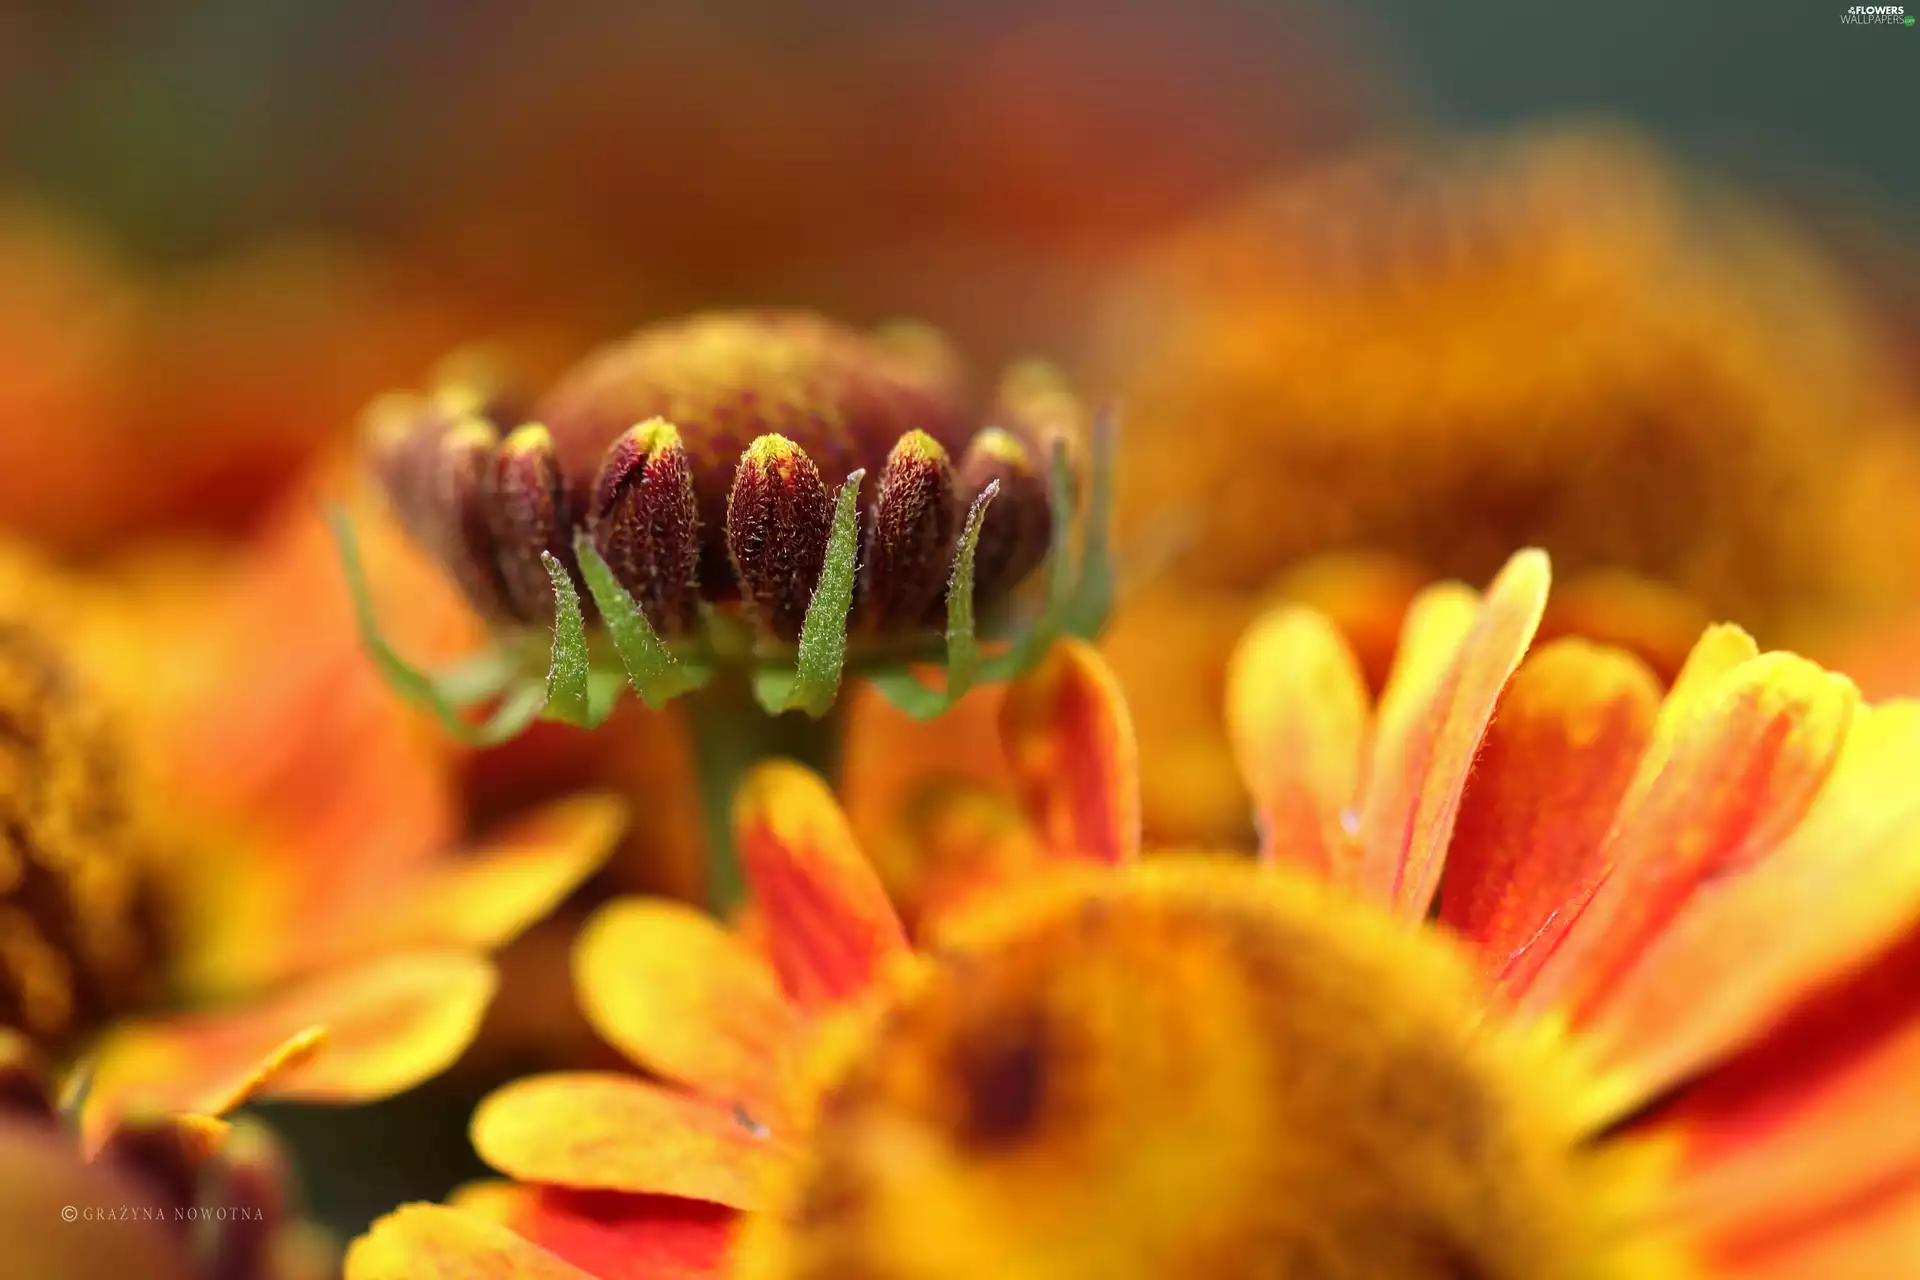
<point x="1655" y="622"/>
<point x="600" y="1130"/>
<point x="828" y="924"/>
<point x="419" y="1241"/>
<point x="1432" y="717"/>
<point x="611" y="1234"/>
<point x="1070" y="744"/>
<point x="1741" y="768"/>
<point x="955" y="840"/>
<point x="885" y="752"/>
<point x="1842" y="888"/>
<point x="1802" y="1135"/>
<point x="386" y="1025"/>
<point x="1558" y="757"/>
<point x="484" y="899"/>
<point x="1297" y="715"/>
<point x="681" y="996"/>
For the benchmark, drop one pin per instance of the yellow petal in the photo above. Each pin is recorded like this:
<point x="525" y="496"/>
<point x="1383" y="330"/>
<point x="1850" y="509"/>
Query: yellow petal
<point x="611" y="1234"/>
<point x="349" y="1036"/>
<point x="433" y="1242"/>
<point x="1297" y="715"/>
<point x="615" y="1132"/>
<point x="827" y="923"/>
<point x="482" y="898"/>
<point x="1070" y="745"/>
<point x="681" y="996"/>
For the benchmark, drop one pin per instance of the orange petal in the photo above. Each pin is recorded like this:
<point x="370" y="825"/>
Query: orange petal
<point x="1559" y="755"/>
<point x="1742" y="767"/>
<point x="681" y="996"/>
<point x="419" y="1241"/>
<point x="1297" y="715"/>
<point x="611" y="1234"/>
<point x="1432" y="718"/>
<point x="387" y="1024"/>
<point x="1798" y="1141"/>
<point x="1840" y="889"/>
<point x="884" y="752"/>
<point x="828" y="924"/>
<point x="955" y="840"/>
<point x="599" y="1130"/>
<point x="484" y="898"/>
<point x="1070" y="745"/>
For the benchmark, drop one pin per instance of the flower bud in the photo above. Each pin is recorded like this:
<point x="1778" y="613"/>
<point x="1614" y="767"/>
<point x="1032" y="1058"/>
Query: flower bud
<point x="527" y="512"/>
<point x="910" y="535"/>
<point x="778" y="518"/>
<point x="645" y="523"/>
<point x="464" y="537"/>
<point x="1019" y="525"/>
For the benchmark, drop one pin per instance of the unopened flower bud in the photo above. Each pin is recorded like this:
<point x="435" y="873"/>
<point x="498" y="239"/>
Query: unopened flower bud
<point x="778" y="518"/>
<point x="645" y="523"/>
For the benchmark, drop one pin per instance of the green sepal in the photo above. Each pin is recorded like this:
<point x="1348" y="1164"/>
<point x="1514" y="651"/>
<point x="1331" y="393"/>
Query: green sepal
<point x="655" y="674"/>
<point x="814" y="682"/>
<point x="898" y="685"/>
<point x="1092" y="599"/>
<point x="568" y="698"/>
<point x="443" y="696"/>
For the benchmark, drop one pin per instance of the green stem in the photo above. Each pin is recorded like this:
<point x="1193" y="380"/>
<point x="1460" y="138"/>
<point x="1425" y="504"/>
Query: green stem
<point x="731" y="734"/>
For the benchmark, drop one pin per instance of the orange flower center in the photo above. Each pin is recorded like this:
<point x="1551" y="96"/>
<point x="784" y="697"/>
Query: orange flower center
<point x="1195" y="1069"/>
<point x="78" y="936"/>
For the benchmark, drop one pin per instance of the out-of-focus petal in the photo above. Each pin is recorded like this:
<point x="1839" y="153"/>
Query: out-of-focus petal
<point x="1840" y="890"/>
<point x="1809" y="1134"/>
<point x="431" y="1240"/>
<point x="1454" y="662"/>
<point x="1070" y="745"/>
<point x="1741" y="769"/>
<point x="384" y="1026"/>
<point x="954" y="841"/>
<point x="1560" y="753"/>
<point x="1656" y="623"/>
<point x="611" y="1234"/>
<point x="612" y="1132"/>
<point x="482" y="898"/>
<point x="827" y="923"/>
<point x="677" y="993"/>
<point x="884" y="752"/>
<point x="1297" y="712"/>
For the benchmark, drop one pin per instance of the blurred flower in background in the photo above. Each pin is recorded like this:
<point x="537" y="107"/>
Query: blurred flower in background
<point x="1412" y="362"/>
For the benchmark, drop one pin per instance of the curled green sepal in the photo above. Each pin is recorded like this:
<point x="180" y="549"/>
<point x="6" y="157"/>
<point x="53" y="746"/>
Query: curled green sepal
<point x="815" y="680"/>
<point x="446" y="697"/>
<point x="569" y="691"/>
<point x="899" y="686"/>
<point x="1086" y="612"/>
<point x="651" y="668"/>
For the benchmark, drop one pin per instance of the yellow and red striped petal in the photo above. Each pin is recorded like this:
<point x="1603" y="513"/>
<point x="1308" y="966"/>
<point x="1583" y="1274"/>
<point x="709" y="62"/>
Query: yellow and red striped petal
<point x="825" y="918"/>
<point x="1799" y="1143"/>
<point x="1297" y="711"/>
<point x="351" y="1036"/>
<point x="1558" y="757"/>
<point x="610" y="1234"/>
<point x="1839" y="890"/>
<point x="1741" y="769"/>
<point x="418" y="1241"/>
<point x="607" y="1131"/>
<point x="1454" y="661"/>
<point x="673" y="990"/>
<point x="1070" y="746"/>
<point x="485" y="897"/>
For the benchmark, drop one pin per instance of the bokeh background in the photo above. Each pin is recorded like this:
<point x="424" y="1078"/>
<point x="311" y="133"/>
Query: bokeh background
<point x="226" y="224"/>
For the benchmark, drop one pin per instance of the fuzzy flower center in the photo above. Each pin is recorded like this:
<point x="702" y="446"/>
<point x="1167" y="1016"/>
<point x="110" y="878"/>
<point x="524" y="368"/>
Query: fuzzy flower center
<point x="1195" y="1070"/>
<point x="78" y="937"/>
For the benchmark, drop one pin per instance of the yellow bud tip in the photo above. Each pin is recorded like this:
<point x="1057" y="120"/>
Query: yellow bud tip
<point x="1003" y="446"/>
<point x="470" y="433"/>
<point x="653" y="437"/>
<point x="916" y="445"/>
<point x="529" y="437"/>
